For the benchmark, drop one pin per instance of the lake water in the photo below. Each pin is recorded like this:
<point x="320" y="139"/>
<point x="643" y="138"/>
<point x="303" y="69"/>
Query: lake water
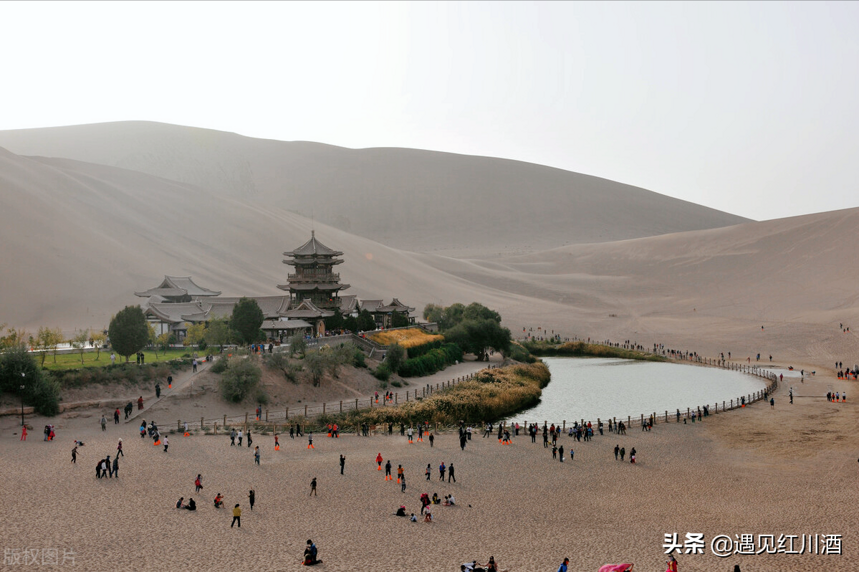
<point x="591" y="388"/>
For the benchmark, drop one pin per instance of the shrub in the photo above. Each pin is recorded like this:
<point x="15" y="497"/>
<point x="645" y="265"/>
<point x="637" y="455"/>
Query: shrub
<point x="297" y="345"/>
<point x="358" y="359"/>
<point x="431" y="362"/>
<point x="491" y="395"/>
<point x="281" y="363"/>
<point x="383" y="373"/>
<point x="220" y="366"/>
<point x="240" y="380"/>
<point x="261" y="396"/>
<point x="519" y="353"/>
<point x="396" y="383"/>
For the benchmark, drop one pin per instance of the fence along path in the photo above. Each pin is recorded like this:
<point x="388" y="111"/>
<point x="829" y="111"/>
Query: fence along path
<point x="303" y="412"/>
<point x="275" y="416"/>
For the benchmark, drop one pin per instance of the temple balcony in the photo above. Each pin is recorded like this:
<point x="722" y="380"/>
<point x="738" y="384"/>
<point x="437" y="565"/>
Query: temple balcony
<point x="313" y="277"/>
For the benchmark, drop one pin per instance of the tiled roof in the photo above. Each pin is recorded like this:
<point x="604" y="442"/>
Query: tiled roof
<point x="175" y="286"/>
<point x="313" y="248"/>
<point x="307" y="309"/>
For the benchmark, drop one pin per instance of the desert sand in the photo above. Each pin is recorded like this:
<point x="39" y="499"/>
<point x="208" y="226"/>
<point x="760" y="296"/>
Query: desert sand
<point x="87" y="219"/>
<point x="787" y="470"/>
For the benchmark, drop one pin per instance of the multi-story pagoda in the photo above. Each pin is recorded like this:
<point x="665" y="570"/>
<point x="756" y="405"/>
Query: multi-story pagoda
<point x="313" y="278"/>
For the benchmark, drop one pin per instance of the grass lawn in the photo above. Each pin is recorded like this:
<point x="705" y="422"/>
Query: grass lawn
<point x="73" y="361"/>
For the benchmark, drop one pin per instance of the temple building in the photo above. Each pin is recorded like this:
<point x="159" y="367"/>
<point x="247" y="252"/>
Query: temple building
<point x="314" y="294"/>
<point x="314" y="278"/>
<point x="178" y="289"/>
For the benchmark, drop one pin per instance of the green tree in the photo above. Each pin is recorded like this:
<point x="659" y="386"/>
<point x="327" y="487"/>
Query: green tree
<point x="128" y="331"/>
<point x="334" y="322"/>
<point x="366" y="323"/>
<point x="194" y="334"/>
<point x="13" y="338"/>
<point x="350" y="323"/>
<point x="475" y="311"/>
<point x="246" y="320"/>
<point x="164" y="340"/>
<point x="48" y="339"/>
<point x="478" y="336"/>
<point x="399" y="320"/>
<point x="79" y="342"/>
<point x="17" y="368"/>
<point x="97" y="339"/>
<point x="433" y="313"/>
<point x="218" y="332"/>
<point x="152" y="337"/>
<point x="452" y="316"/>
<point x="395" y="357"/>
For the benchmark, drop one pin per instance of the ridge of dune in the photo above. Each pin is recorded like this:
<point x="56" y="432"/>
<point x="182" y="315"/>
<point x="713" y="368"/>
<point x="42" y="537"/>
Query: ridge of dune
<point x="409" y="199"/>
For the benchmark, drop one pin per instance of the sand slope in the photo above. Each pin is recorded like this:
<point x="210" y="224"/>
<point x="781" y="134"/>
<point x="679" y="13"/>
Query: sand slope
<point x="79" y="239"/>
<point x="405" y="198"/>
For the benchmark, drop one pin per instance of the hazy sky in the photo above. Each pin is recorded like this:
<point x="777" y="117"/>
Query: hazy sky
<point x="748" y="108"/>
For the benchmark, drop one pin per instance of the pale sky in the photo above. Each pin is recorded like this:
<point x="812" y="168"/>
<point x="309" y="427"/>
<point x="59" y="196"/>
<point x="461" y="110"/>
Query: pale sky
<point x="750" y="108"/>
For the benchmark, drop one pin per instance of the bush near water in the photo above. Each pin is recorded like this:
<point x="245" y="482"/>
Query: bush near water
<point x="489" y="396"/>
<point x="583" y="349"/>
<point x="431" y="360"/>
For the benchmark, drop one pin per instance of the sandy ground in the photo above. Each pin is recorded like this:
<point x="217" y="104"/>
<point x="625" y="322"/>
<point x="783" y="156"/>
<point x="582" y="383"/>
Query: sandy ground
<point x="787" y="470"/>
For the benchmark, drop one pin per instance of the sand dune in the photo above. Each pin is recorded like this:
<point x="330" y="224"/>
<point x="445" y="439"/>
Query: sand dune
<point x="405" y="198"/>
<point x="79" y="239"/>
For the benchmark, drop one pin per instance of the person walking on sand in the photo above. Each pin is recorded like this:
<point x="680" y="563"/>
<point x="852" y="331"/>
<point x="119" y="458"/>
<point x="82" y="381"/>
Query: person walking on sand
<point x="198" y="484"/>
<point x="622" y="453"/>
<point x="250" y="441"/>
<point x="310" y="440"/>
<point x="140" y="403"/>
<point x="116" y="467"/>
<point x="772" y="403"/>
<point x="233" y="438"/>
<point x="116" y="416"/>
<point x="119" y="448"/>
<point x="431" y="439"/>
<point x="388" y="476"/>
<point x="342" y="463"/>
<point x="157" y="391"/>
<point x="450" y="475"/>
<point x="237" y="516"/>
<point x="256" y="455"/>
<point x="563" y="566"/>
<point x="23" y="432"/>
<point x="402" y="482"/>
<point x="103" y="423"/>
<point x="75" y="455"/>
<point x="252" y="497"/>
<point x="616" y="451"/>
<point x="166" y="443"/>
<point x="428" y="472"/>
<point x="313" y="487"/>
<point x="240" y="437"/>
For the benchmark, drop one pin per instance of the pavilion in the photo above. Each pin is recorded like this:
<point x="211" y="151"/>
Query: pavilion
<point x="313" y="295"/>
